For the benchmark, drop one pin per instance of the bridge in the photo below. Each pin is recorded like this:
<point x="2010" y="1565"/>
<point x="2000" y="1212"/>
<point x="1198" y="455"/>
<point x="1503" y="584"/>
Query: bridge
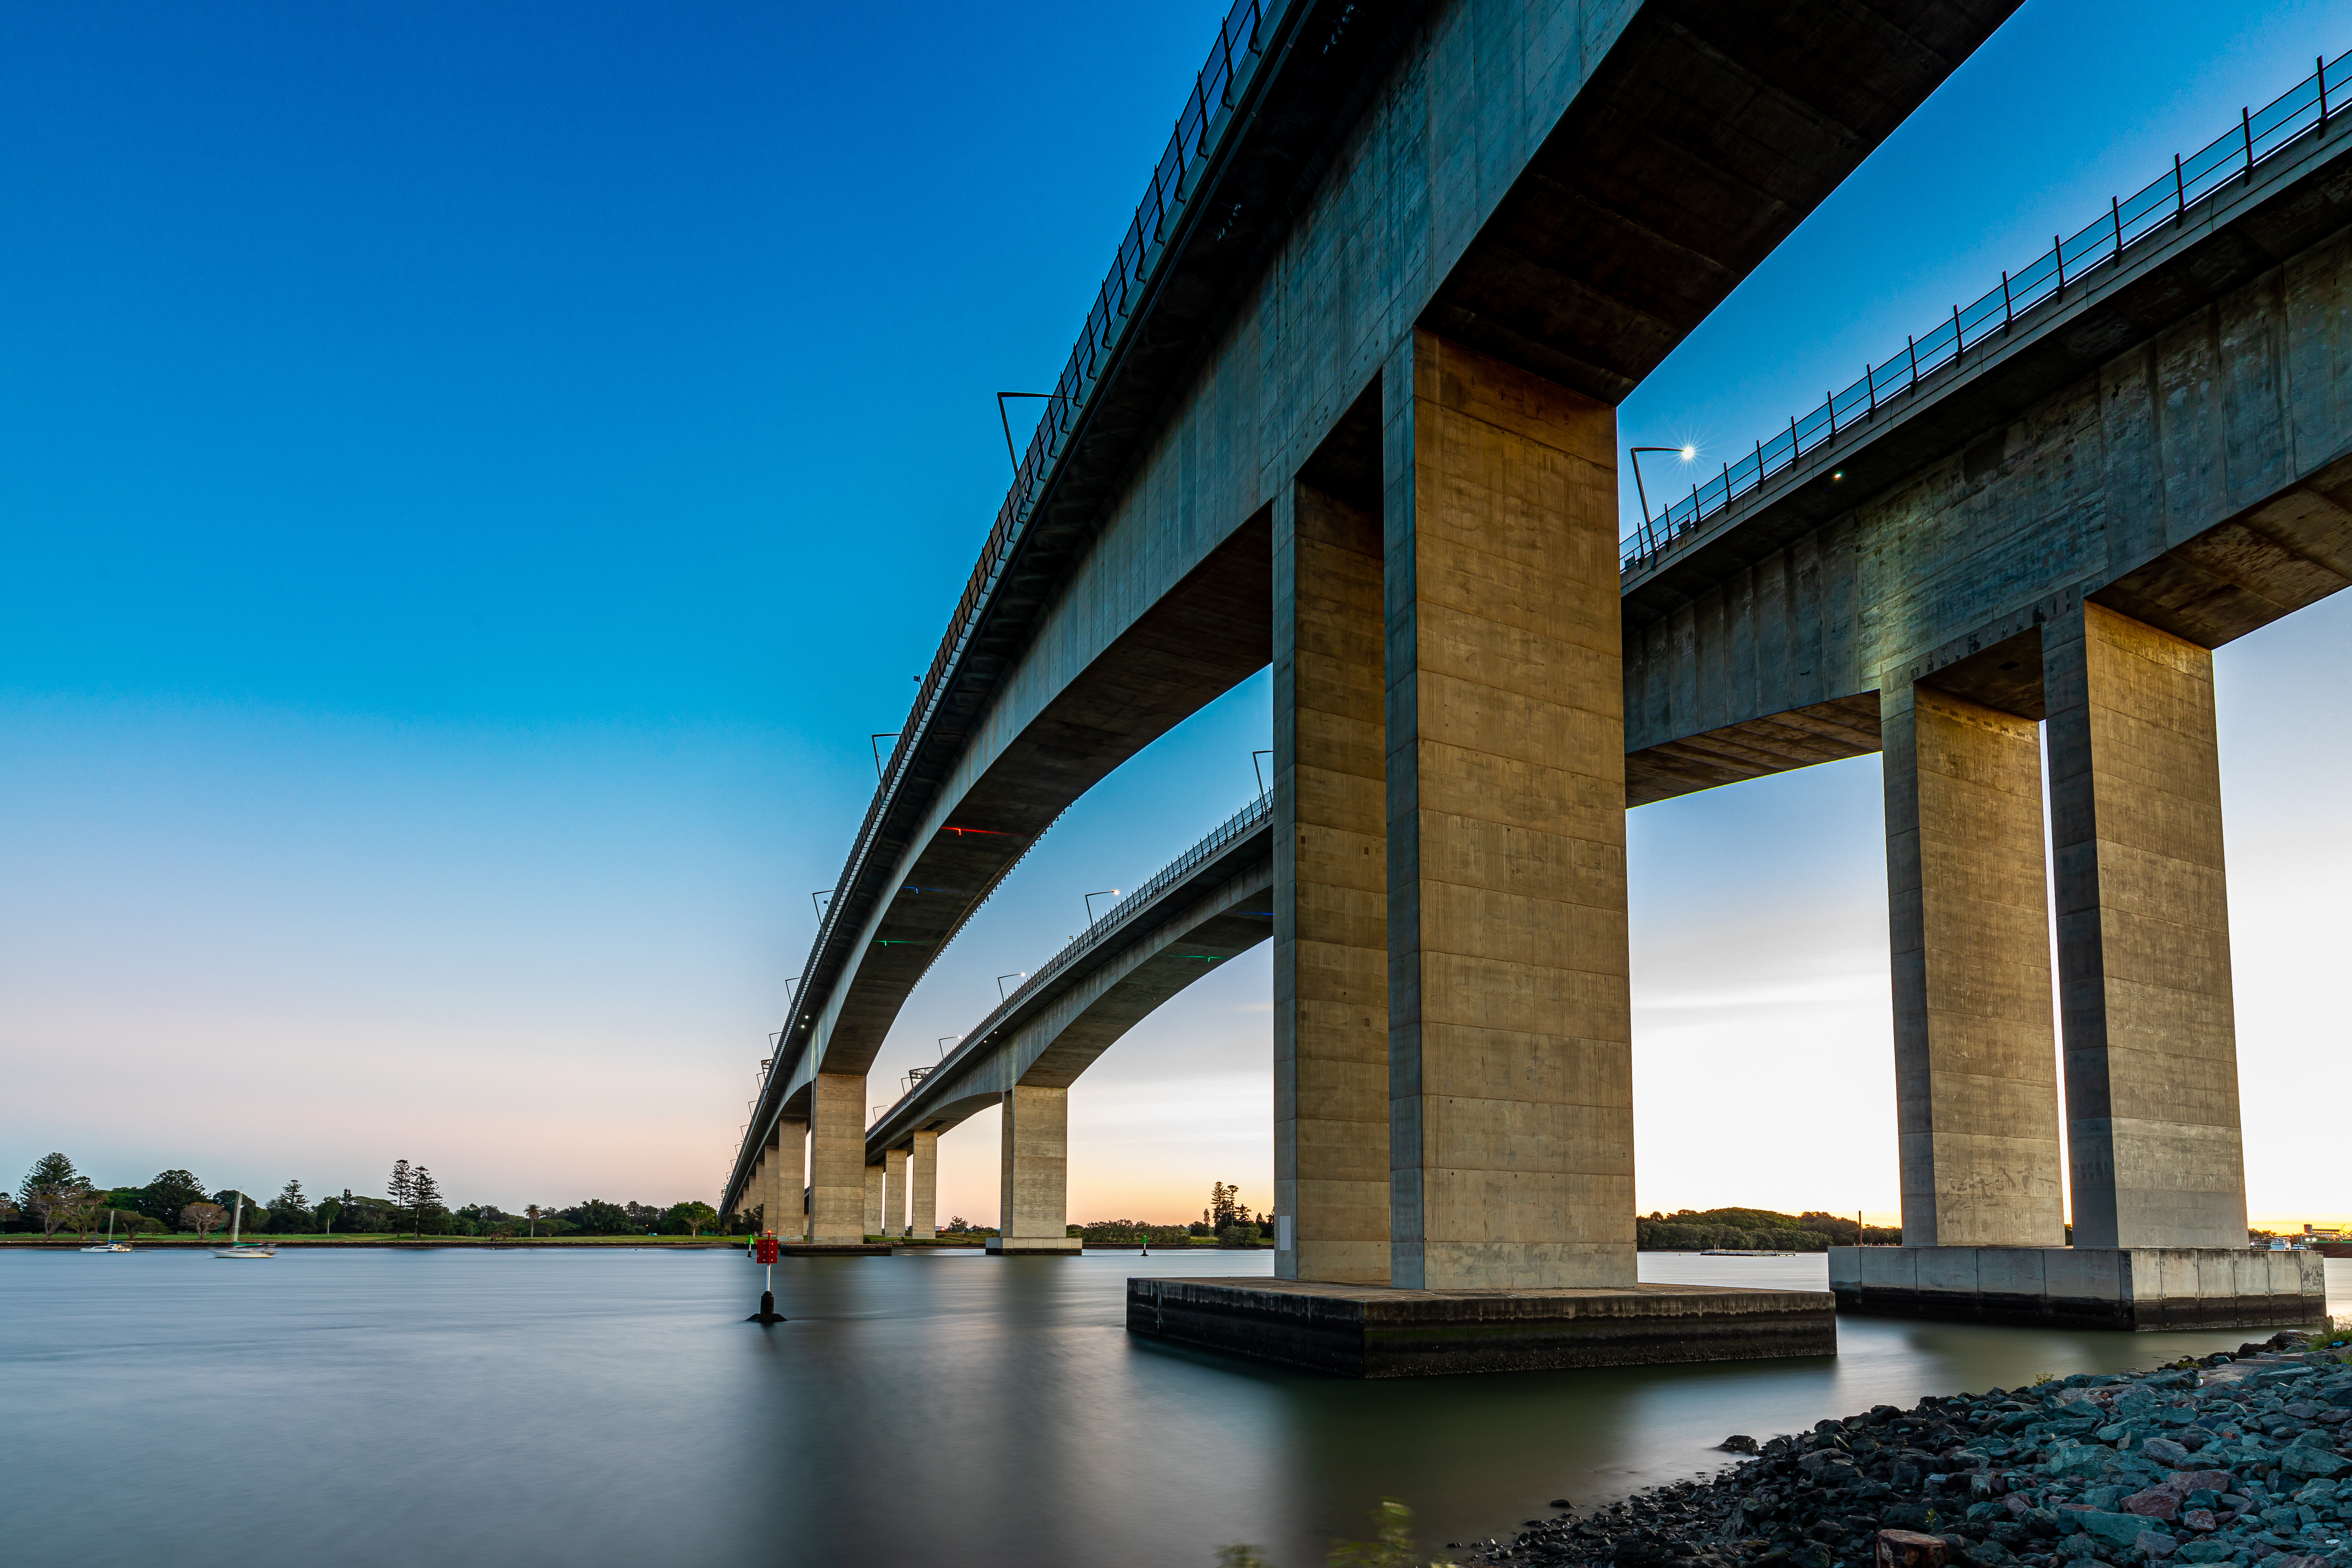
<point x="1345" y="405"/>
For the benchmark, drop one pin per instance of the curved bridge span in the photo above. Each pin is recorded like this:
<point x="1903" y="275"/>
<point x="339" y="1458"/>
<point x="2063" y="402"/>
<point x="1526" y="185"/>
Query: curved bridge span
<point x="1346" y="406"/>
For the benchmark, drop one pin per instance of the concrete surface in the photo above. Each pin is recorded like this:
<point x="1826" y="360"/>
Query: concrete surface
<point x="1976" y="1076"/>
<point x="2143" y="937"/>
<point x="1510" y="1028"/>
<point x="2139" y="1289"/>
<point x="1331" y="892"/>
<point x="1381" y="1332"/>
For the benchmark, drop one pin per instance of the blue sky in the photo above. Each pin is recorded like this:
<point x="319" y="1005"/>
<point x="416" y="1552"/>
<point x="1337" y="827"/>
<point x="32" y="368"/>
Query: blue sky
<point x="476" y="476"/>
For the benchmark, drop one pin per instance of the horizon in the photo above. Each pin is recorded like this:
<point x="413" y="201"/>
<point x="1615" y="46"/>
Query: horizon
<point x="424" y="728"/>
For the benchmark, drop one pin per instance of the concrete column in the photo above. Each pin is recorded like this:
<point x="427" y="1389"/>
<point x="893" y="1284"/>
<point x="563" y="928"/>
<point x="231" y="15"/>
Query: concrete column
<point x="873" y="1200"/>
<point x="1510" y="1073"/>
<point x="788" y="1160"/>
<point x="755" y="1195"/>
<point x="923" y="1187"/>
<point x="837" y="1159"/>
<point x="1330" y="895"/>
<point x="1976" y="1060"/>
<point x="2144" y="986"/>
<point x="1032" y="1209"/>
<point x="893" y="1192"/>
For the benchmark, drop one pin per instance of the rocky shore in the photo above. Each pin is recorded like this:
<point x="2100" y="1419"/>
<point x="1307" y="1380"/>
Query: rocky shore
<point x="2235" y="1458"/>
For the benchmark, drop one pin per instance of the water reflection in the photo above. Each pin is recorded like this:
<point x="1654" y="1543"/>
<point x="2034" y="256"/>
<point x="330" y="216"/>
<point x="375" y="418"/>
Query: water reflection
<point x="611" y="1407"/>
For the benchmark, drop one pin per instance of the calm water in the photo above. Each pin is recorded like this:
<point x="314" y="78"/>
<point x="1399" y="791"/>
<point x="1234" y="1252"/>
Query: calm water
<point x="594" y="1408"/>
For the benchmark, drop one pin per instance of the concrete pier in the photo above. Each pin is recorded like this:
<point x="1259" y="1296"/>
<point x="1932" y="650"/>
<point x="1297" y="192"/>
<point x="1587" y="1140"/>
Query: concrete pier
<point x="1976" y="1076"/>
<point x="873" y="1221"/>
<point x="1331" y="893"/>
<point x="1033" y="1179"/>
<point x="1378" y="1331"/>
<point x="2138" y="1289"/>
<point x="923" y="1187"/>
<point x="893" y="1193"/>
<point x="2143" y="936"/>
<point x="1510" y="1027"/>
<point x="837" y="1160"/>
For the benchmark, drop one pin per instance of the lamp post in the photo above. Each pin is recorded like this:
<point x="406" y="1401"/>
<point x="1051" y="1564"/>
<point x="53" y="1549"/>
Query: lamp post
<point x="1105" y="893"/>
<point x="1634" y="454"/>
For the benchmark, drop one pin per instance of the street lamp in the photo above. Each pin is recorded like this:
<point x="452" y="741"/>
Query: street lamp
<point x="1105" y="893"/>
<point x="1685" y="452"/>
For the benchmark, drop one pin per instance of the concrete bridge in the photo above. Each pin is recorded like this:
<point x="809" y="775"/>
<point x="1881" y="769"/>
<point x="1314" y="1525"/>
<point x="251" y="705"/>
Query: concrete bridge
<point x="1346" y="405"/>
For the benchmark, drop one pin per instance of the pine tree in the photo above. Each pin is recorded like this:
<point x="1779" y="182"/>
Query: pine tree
<point x="50" y="1172"/>
<point x="401" y="1189"/>
<point x="425" y="1201"/>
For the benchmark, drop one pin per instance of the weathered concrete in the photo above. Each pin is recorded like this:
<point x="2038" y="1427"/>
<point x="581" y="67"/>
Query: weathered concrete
<point x="1331" y="893"/>
<point x="788" y="1184"/>
<point x="1567" y="184"/>
<point x="2143" y="936"/>
<point x="873" y="1210"/>
<point x="1510" y="1027"/>
<point x="2171" y="439"/>
<point x="1976" y="1076"/>
<point x="2138" y="1289"/>
<point x="1378" y="1331"/>
<point x="837" y="1160"/>
<point x="1034" y="1177"/>
<point x="923" y="1187"/>
<point x="893" y="1193"/>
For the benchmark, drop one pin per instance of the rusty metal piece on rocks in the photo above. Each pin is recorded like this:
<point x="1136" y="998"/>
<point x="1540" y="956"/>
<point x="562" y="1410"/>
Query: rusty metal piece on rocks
<point x="1908" y="1548"/>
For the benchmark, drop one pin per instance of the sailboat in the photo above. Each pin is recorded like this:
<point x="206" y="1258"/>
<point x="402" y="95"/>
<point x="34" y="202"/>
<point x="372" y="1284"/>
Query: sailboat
<point x="111" y="1244"/>
<point x="235" y="1248"/>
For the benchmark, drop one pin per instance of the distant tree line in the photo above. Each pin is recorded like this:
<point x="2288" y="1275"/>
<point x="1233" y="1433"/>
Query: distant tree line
<point x="1760" y="1230"/>
<point x="54" y="1197"/>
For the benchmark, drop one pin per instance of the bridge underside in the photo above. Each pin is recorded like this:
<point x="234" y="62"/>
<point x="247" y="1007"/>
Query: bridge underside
<point x="1565" y="187"/>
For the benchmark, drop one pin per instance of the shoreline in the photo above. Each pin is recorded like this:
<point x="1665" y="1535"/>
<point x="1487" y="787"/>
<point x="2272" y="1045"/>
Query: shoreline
<point x="2236" y="1457"/>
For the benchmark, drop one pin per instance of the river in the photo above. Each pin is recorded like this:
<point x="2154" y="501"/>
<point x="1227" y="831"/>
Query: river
<point x="591" y="1409"/>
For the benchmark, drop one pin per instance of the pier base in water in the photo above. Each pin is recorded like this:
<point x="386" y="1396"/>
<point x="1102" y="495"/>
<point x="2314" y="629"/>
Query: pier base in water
<point x="2132" y="1287"/>
<point x="767" y="1313"/>
<point x="1375" y="1331"/>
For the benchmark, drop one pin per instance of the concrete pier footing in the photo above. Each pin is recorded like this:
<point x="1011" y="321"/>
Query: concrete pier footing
<point x="2134" y="1287"/>
<point x="1371" y="1331"/>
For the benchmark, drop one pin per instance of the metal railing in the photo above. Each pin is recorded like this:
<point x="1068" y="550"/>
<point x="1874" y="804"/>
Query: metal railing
<point x="2259" y="135"/>
<point x="1199" y="130"/>
<point x="1241" y="824"/>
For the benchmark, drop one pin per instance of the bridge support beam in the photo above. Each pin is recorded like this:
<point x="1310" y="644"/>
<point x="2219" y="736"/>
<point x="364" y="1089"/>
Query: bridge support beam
<point x="2143" y="937"/>
<point x="1330" y="895"/>
<point x="1033" y="1203"/>
<point x="1510" y="1028"/>
<point x="893" y="1192"/>
<point x="923" y="1187"/>
<point x="837" y="1160"/>
<point x="873" y="1221"/>
<point x="1976" y="1079"/>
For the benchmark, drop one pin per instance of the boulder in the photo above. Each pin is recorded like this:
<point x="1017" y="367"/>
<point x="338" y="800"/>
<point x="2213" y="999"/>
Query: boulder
<point x="2199" y="1519"/>
<point x="2152" y="1545"/>
<point x="2080" y="1459"/>
<point x="2157" y="1502"/>
<point x="2117" y="1529"/>
<point x="2206" y="1552"/>
<point x="2166" y="1451"/>
<point x="2306" y="1459"/>
<point x="1908" y="1548"/>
